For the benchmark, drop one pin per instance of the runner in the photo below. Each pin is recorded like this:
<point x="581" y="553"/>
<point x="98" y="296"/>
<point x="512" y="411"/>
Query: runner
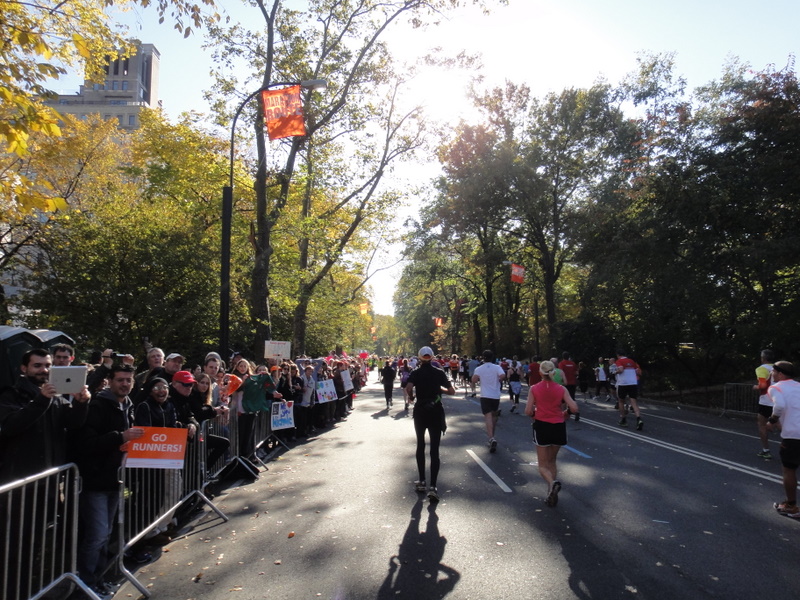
<point x="628" y="372"/>
<point x="430" y="383"/>
<point x="514" y="375"/>
<point x="490" y="376"/>
<point x="545" y="400"/>
<point x="764" y="376"/>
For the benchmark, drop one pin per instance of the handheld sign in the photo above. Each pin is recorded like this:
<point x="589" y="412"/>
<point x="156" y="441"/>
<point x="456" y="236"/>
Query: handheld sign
<point x="282" y="415"/>
<point x="277" y="350"/>
<point x="158" y="448"/>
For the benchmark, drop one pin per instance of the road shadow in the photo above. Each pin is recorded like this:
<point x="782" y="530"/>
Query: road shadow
<point x="416" y="570"/>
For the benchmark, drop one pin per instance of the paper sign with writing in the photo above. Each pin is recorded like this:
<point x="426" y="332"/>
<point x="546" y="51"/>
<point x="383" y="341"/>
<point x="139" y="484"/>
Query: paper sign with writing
<point x="158" y="448"/>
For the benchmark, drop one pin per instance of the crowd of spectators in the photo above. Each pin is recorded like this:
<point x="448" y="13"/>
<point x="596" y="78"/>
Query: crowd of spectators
<point x="41" y="429"/>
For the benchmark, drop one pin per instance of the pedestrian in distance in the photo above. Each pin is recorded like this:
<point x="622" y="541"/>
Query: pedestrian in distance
<point x="785" y="395"/>
<point x="545" y="400"/>
<point x="490" y="376"/>
<point x="429" y="383"/>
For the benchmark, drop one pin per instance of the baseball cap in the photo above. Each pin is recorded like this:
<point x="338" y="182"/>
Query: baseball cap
<point x="425" y="352"/>
<point x="175" y="355"/>
<point x="183" y="376"/>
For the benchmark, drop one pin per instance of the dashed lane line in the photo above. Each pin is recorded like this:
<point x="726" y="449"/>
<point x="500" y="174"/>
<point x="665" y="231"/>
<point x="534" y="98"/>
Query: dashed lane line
<point x="500" y="483"/>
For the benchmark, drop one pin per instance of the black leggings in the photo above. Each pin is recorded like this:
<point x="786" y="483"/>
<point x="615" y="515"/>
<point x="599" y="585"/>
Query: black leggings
<point x="434" y="428"/>
<point x="387" y="391"/>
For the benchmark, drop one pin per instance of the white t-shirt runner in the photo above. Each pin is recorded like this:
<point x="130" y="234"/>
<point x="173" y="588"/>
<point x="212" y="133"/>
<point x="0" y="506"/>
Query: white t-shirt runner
<point x="490" y="380"/>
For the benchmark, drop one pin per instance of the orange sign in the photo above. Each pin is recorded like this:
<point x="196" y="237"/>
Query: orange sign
<point x="283" y="112"/>
<point x="158" y="448"/>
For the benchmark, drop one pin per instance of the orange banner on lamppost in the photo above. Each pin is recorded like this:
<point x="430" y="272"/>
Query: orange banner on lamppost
<point x="517" y="273"/>
<point x="363" y="308"/>
<point x="283" y="112"/>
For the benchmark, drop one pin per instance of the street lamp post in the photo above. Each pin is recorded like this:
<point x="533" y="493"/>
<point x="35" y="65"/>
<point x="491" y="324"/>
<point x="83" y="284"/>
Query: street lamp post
<point x="227" y="215"/>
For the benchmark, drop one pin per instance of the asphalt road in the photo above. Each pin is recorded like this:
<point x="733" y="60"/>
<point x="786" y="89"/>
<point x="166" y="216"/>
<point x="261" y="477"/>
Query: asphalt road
<point x="682" y="509"/>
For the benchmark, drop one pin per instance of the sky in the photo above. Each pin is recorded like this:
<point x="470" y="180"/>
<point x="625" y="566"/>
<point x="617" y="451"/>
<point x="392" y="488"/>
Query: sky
<point x="548" y="44"/>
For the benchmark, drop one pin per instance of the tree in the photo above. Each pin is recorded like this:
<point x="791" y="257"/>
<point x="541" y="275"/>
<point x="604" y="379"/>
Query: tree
<point x="344" y="47"/>
<point x="130" y="258"/>
<point x="40" y="40"/>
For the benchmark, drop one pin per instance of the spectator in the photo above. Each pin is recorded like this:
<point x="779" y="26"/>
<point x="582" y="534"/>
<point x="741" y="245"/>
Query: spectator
<point x="108" y="426"/>
<point x="303" y="408"/>
<point x="193" y="407"/>
<point x="63" y="355"/>
<point x="33" y="420"/>
<point x="155" y="361"/>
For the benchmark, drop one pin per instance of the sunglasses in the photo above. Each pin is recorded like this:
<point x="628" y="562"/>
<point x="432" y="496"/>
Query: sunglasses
<point x="185" y="384"/>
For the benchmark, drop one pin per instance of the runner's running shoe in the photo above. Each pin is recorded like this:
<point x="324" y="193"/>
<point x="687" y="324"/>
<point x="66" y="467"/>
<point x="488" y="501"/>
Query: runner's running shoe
<point x="552" y="497"/>
<point x="788" y="510"/>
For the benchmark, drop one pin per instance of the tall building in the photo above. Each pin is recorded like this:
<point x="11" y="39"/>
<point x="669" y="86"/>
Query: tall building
<point x="130" y="84"/>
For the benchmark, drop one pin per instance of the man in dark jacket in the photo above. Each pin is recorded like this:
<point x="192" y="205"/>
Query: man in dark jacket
<point x="33" y="426"/>
<point x="34" y="420"/>
<point x="99" y="456"/>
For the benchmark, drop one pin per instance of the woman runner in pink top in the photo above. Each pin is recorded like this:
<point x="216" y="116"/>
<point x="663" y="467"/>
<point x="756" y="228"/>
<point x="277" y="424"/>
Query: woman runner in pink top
<point x="544" y="406"/>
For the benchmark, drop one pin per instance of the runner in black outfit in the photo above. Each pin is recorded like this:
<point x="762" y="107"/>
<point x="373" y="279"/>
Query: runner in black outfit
<point x="388" y="375"/>
<point x="430" y="383"/>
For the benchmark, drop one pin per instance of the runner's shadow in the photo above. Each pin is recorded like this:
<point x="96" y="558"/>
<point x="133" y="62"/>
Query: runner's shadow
<point x="380" y="413"/>
<point x="416" y="570"/>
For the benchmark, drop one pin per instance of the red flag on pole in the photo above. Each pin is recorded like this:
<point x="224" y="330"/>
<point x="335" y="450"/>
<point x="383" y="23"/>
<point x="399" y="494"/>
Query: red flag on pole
<point x="283" y="112"/>
<point x="517" y="273"/>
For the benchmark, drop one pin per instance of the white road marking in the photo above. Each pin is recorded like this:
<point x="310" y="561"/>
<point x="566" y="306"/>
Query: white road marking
<point x="694" y="453"/>
<point x="489" y="472"/>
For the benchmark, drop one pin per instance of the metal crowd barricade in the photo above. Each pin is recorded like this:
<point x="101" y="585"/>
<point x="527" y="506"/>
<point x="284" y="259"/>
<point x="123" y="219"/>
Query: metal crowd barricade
<point x="39" y="535"/>
<point x="150" y="497"/>
<point x="247" y="433"/>
<point x="739" y="398"/>
<point x="267" y="444"/>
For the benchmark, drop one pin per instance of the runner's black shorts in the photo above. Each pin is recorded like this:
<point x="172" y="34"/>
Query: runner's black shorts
<point x="490" y="405"/>
<point x="790" y="453"/>
<point x="549" y="434"/>
<point x="765" y="411"/>
<point x="628" y="391"/>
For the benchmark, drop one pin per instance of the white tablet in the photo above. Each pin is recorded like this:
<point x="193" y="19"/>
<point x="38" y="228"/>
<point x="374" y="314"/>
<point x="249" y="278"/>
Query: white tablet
<point x="68" y="380"/>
